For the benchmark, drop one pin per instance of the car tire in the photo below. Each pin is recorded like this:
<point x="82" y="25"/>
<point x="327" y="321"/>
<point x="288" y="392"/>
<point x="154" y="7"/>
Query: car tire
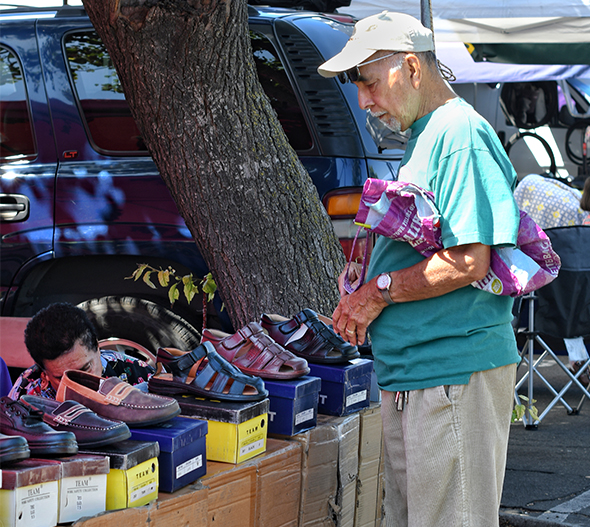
<point x="140" y="321"/>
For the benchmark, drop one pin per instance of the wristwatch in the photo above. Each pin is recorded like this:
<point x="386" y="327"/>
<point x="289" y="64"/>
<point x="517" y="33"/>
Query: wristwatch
<point x="383" y="283"/>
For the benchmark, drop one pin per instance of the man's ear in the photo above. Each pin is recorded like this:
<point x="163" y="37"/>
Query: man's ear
<point x="415" y="68"/>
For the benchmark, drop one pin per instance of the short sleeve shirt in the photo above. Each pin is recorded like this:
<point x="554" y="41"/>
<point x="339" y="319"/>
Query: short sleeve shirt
<point x="455" y="154"/>
<point x="114" y="364"/>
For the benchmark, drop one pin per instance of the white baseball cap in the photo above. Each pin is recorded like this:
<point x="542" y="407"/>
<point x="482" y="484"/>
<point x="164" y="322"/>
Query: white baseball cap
<point x="386" y="31"/>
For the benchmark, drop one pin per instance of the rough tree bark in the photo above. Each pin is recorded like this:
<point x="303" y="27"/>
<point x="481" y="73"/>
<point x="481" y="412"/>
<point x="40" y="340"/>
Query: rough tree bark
<point x="187" y="71"/>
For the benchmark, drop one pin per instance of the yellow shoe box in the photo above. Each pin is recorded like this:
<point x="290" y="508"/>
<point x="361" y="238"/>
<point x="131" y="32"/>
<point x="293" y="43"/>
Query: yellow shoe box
<point x="133" y="477"/>
<point x="236" y="431"/>
<point x="29" y="493"/>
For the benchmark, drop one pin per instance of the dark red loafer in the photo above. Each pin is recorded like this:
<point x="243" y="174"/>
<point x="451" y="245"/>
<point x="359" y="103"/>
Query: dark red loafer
<point x="115" y="399"/>
<point x="90" y="429"/>
<point x="19" y="419"/>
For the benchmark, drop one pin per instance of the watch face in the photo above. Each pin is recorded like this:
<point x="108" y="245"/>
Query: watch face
<point x="383" y="281"/>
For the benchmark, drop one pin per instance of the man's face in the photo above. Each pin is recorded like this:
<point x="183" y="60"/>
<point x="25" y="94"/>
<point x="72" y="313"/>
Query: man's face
<point x="384" y="90"/>
<point x="78" y="358"/>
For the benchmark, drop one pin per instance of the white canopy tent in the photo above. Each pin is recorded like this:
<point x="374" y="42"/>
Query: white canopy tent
<point x="502" y="23"/>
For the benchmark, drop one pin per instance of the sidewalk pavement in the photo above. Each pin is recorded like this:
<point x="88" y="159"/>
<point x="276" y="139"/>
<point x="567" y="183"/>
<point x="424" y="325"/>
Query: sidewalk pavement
<point x="547" y="481"/>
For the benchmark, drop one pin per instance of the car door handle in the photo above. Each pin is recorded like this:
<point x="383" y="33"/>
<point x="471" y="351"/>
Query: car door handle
<point x="14" y="207"/>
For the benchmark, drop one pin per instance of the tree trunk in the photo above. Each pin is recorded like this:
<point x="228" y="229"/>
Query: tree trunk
<point x="187" y="71"/>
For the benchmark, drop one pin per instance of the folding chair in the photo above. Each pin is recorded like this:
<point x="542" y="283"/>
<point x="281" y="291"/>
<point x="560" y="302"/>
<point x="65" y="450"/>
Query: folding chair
<point x="560" y="309"/>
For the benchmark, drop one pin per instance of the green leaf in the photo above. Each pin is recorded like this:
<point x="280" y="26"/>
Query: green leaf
<point x="209" y="286"/>
<point x="173" y="293"/>
<point x="137" y="273"/>
<point x="164" y="278"/>
<point x="146" y="279"/>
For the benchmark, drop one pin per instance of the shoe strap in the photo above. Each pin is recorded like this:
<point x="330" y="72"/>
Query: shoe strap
<point x="116" y="395"/>
<point x="185" y="362"/>
<point x="71" y="414"/>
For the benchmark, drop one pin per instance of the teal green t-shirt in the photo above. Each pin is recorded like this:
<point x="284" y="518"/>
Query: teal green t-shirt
<point x="456" y="154"/>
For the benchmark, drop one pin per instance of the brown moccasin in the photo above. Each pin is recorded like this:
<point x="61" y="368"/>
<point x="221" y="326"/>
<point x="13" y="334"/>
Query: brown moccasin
<point x="115" y="399"/>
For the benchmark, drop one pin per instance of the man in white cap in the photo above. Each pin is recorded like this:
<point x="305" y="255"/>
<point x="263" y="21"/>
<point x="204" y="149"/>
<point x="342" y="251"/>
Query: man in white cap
<point x="445" y="352"/>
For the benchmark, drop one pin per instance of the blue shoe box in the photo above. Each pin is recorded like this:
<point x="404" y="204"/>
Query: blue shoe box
<point x="345" y="388"/>
<point x="293" y="405"/>
<point x="182" y="458"/>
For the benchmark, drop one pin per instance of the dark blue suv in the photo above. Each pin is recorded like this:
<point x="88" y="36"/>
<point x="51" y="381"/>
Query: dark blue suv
<point x="81" y="201"/>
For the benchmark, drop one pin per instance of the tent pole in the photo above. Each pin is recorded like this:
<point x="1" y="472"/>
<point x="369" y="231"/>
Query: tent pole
<point x="426" y="14"/>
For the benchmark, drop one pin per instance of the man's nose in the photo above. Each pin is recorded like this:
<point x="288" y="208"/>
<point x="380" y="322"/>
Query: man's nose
<point x="364" y="96"/>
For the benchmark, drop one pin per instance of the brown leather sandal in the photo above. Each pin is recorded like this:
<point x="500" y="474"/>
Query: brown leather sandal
<point x="309" y="337"/>
<point x="252" y="351"/>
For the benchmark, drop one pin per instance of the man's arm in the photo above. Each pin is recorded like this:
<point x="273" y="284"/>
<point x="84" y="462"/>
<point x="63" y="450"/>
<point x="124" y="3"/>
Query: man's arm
<point x="443" y="272"/>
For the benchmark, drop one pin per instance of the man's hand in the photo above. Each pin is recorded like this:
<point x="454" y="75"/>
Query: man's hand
<point x="354" y="273"/>
<point x="356" y="311"/>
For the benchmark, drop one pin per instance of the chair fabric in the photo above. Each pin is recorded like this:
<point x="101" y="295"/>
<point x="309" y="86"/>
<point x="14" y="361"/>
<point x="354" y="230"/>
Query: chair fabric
<point x="560" y="309"/>
<point x="563" y="306"/>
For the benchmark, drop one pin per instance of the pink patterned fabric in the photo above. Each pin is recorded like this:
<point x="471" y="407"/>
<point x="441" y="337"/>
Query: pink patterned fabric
<point x="405" y="212"/>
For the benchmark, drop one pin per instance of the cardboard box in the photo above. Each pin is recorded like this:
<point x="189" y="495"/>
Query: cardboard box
<point x="261" y="492"/>
<point x="133" y="477"/>
<point x="182" y="458"/>
<point x="345" y="388"/>
<point x="370" y="454"/>
<point x="231" y="494"/>
<point x="236" y="431"/>
<point x="278" y="490"/>
<point x="29" y="494"/>
<point x="293" y="405"/>
<point x="348" y="433"/>
<point x="82" y="487"/>
<point x="319" y="474"/>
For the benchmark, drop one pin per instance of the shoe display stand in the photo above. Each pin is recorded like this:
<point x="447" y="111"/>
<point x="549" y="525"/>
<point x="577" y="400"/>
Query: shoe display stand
<point x="330" y="475"/>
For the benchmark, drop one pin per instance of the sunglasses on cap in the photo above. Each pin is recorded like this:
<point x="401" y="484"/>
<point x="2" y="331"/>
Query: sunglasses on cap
<point x="353" y="74"/>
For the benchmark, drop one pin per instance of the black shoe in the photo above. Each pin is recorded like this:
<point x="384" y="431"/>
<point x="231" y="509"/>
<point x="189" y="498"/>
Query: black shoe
<point x="13" y="448"/>
<point x="19" y="419"/>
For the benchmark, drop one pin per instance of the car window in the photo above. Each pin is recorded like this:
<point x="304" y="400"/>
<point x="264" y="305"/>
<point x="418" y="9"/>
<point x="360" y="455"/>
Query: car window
<point x="278" y="89"/>
<point x="109" y="123"/>
<point x="16" y="136"/>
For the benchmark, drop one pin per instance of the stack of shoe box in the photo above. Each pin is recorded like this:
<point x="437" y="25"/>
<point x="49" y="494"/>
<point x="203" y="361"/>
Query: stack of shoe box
<point x="236" y="431"/>
<point x="45" y="492"/>
<point x="182" y="459"/>
<point x="133" y="477"/>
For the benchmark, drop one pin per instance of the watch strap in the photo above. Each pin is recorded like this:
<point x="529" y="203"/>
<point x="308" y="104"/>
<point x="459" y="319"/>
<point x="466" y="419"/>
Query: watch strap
<point x="387" y="296"/>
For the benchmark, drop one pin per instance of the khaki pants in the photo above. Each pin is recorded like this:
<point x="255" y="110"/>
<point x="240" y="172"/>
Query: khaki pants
<point x="445" y="453"/>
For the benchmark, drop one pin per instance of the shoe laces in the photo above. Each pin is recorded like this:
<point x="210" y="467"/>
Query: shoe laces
<point x="29" y="414"/>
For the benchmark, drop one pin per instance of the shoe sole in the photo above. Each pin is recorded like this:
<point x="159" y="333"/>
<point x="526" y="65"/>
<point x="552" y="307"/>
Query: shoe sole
<point x="41" y="448"/>
<point x="15" y="454"/>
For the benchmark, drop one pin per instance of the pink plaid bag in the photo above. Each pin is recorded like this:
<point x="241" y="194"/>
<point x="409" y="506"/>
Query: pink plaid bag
<point x="405" y="212"/>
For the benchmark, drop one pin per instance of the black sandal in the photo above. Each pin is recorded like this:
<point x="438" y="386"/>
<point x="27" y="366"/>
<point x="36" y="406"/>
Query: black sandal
<point x="308" y="337"/>
<point x="216" y="378"/>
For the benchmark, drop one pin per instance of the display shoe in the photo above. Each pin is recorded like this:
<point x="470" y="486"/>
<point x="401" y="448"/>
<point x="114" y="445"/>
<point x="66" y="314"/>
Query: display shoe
<point x="252" y="351"/>
<point x="115" y="399"/>
<point x="19" y="419"/>
<point x="13" y="448"/>
<point x="205" y="373"/>
<point x="91" y="430"/>
<point x="308" y="337"/>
